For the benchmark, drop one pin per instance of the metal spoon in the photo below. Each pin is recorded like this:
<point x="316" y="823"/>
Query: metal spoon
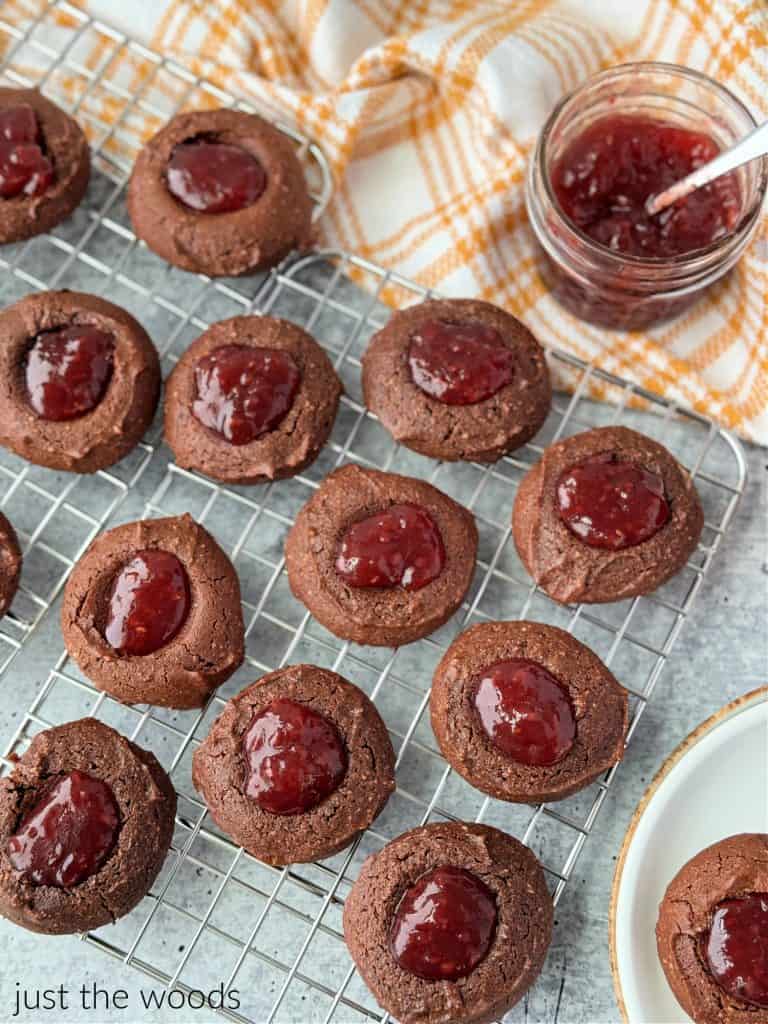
<point x="749" y="148"/>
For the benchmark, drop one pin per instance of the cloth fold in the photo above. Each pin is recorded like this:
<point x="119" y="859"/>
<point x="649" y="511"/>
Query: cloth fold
<point x="428" y="111"/>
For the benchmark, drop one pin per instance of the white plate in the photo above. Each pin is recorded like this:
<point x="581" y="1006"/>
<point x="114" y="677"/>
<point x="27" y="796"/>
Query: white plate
<point x="714" y="785"/>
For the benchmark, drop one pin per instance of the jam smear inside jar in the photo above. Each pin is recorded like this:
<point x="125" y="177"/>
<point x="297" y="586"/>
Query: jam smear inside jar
<point x="244" y="392"/>
<point x="605" y="175"/>
<point x="25" y="169"/>
<point x="148" y="603"/>
<point x="608" y="502"/>
<point x="736" y="948"/>
<point x="444" y="924"/>
<point x="214" y="177"/>
<point x="68" y="371"/>
<point x="295" y="758"/>
<point x="398" y="547"/>
<point x="459" y="363"/>
<point x="68" y="834"/>
<point x="525" y="711"/>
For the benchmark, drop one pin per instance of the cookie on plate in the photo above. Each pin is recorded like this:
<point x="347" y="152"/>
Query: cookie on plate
<point x="712" y="932"/>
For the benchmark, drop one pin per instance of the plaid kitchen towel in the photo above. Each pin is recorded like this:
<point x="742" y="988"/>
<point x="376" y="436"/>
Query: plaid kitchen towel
<point x="429" y="110"/>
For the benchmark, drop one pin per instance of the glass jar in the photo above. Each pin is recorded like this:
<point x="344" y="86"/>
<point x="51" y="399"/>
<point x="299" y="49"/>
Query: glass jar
<point x="616" y="289"/>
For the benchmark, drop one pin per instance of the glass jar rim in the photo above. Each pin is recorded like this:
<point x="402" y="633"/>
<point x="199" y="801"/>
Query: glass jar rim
<point x="681" y="260"/>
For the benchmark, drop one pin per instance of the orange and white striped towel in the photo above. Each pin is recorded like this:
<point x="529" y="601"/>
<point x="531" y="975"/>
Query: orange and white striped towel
<point x="429" y="109"/>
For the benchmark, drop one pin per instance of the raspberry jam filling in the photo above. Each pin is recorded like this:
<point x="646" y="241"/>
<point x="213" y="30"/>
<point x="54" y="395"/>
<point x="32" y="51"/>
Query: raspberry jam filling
<point x="295" y="758"/>
<point x="444" y="925"/>
<point x="610" y="503"/>
<point x="214" y="177"/>
<point x="399" y="547"/>
<point x="736" y="948"/>
<point x="526" y="713"/>
<point x="68" y="371"/>
<point x="459" y="363"/>
<point x="244" y="392"/>
<point x="148" y="603"/>
<point x="605" y="175"/>
<point x="24" y="167"/>
<point x="68" y="834"/>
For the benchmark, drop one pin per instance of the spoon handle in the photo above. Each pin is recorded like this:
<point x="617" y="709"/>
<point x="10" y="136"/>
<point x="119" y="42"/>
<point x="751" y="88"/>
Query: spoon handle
<point x="749" y="148"/>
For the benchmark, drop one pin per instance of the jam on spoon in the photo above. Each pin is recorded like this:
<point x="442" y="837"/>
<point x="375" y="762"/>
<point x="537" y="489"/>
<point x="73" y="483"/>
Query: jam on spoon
<point x="605" y="175"/>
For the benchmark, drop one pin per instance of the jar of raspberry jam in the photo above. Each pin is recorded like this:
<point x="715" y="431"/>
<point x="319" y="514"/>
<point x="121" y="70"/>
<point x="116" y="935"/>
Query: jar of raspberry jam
<point x="625" y="134"/>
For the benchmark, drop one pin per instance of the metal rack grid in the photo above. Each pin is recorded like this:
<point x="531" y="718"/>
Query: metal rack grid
<point x="274" y="935"/>
<point x="121" y="92"/>
<point x="243" y="922"/>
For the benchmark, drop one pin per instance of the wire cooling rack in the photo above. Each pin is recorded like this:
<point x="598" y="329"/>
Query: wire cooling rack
<point x="216" y="916"/>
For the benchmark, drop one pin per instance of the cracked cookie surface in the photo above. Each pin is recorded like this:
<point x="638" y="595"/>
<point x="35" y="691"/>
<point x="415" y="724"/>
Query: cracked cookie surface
<point x="222" y="244"/>
<point x="146" y="804"/>
<point x="380" y="616"/>
<point x="481" y="431"/>
<point x="280" y="452"/>
<point x="219" y="768"/>
<point x="568" y="569"/>
<point x="208" y="647"/>
<point x="733" y="867"/>
<point x="522" y="932"/>
<point x="599" y="703"/>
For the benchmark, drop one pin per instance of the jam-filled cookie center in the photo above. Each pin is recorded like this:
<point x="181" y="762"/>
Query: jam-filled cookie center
<point x="736" y="948"/>
<point x="211" y="176"/>
<point x="609" y="502"/>
<point x="68" y="834"/>
<point x="400" y="546"/>
<point x="244" y="392"/>
<point x="525" y="711"/>
<point x="148" y="603"/>
<point x="459" y="363"/>
<point x="25" y="168"/>
<point x="295" y="758"/>
<point x="444" y="924"/>
<point x="605" y="175"/>
<point x="68" y="370"/>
